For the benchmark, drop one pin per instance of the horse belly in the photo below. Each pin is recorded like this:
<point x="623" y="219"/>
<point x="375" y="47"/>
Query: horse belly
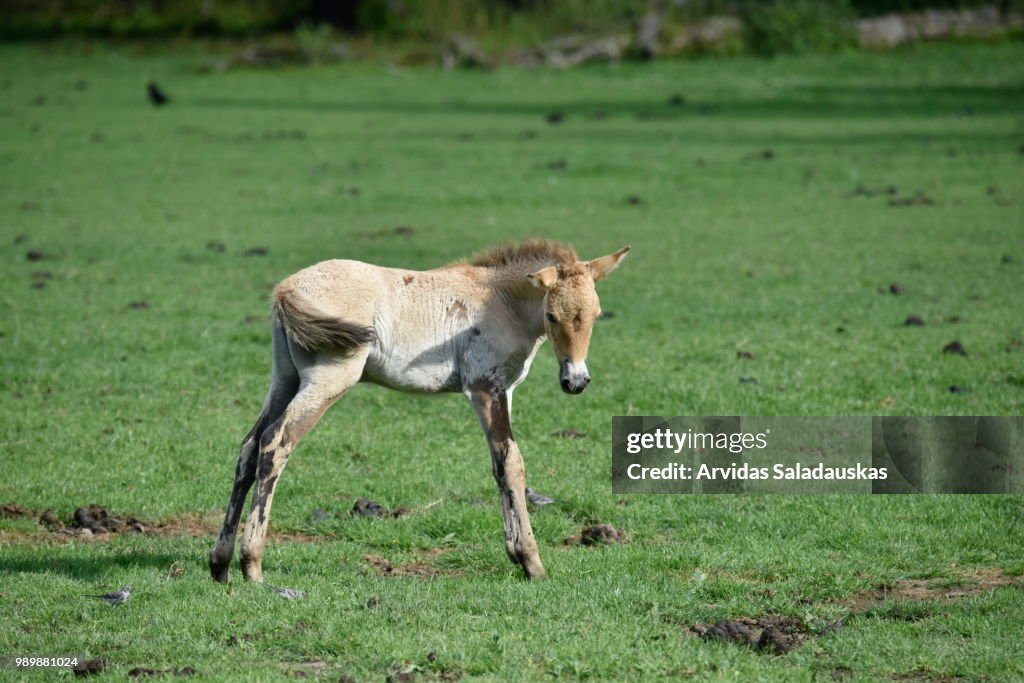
<point x="428" y="372"/>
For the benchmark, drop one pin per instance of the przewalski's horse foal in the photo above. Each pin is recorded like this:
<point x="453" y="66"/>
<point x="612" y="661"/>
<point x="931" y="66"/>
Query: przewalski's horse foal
<point x="468" y="327"/>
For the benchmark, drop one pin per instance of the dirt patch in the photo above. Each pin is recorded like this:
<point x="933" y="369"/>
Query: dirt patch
<point x="771" y="634"/>
<point x="597" y="534"/>
<point x="14" y="511"/>
<point x="383" y="567"/>
<point x="914" y="321"/>
<point x="92" y="522"/>
<point x="976" y="583"/>
<point x="906" y="599"/>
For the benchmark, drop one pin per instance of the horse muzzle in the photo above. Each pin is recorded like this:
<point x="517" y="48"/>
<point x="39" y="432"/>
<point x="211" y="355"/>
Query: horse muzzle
<point x="574" y="376"/>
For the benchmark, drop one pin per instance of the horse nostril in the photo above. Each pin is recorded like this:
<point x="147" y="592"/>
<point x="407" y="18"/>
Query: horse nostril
<point x="586" y="380"/>
<point x="565" y="385"/>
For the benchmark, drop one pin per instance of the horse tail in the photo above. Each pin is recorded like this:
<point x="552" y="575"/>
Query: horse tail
<point x="314" y="330"/>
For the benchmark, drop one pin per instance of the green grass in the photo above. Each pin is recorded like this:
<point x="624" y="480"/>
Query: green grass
<point x="141" y="410"/>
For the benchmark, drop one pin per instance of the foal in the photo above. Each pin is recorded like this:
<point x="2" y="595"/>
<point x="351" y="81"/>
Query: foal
<point x="467" y="327"/>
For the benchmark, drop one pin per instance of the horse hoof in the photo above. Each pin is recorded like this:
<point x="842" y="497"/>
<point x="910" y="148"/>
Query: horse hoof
<point x="220" y="572"/>
<point x="534" y="570"/>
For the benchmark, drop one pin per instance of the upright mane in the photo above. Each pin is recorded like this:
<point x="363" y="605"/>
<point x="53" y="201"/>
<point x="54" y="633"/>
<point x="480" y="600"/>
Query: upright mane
<point x="526" y="255"/>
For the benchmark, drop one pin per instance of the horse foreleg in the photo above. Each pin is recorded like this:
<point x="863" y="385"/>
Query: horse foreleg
<point x="322" y="384"/>
<point x="492" y="408"/>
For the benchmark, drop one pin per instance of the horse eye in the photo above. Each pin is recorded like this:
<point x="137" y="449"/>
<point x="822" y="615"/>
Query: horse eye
<point x="551" y="318"/>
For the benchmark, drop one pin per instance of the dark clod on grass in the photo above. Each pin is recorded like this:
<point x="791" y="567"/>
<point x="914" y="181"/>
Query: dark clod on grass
<point x="862" y="191"/>
<point x="39" y="284"/>
<point x="138" y="305"/>
<point x="745" y="355"/>
<point x="896" y="289"/>
<point x="955" y="347"/>
<point x="555" y="117"/>
<point x="99" y="521"/>
<point x="50" y="520"/>
<point x="558" y="165"/>
<point x="771" y="634"/>
<point x="35" y="255"/>
<point x="216" y="246"/>
<point x="955" y="389"/>
<point x="157" y="97"/>
<point x="919" y="198"/>
<point x="22" y="237"/>
<point x="568" y="433"/>
<point x="143" y="672"/>
<point x="763" y="155"/>
<point x="1006" y="260"/>
<point x="634" y="200"/>
<point x="365" y="507"/>
<point x="677" y="100"/>
<point x="606" y="315"/>
<point x="255" y="251"/>
<point x="597" y="534"/>
<point x="914" y="321"/>
<point x="403" y="230"/>
<point x="748" y="380"/>
<point x="90" y="667"/>
<point x="320" y="514"/>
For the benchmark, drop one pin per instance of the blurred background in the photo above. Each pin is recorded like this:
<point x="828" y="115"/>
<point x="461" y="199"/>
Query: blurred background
<point x="486" y="32"/>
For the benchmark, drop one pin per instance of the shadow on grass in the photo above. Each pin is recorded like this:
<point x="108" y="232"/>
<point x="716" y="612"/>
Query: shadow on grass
<point x="41" y="561"/>
<point x="807" y="102"/>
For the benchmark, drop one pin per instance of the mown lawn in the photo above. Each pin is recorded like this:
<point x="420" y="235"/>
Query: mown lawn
<point x="769" y="212"/>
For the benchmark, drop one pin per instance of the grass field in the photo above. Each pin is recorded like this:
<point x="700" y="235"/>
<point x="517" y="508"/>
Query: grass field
<point x="770" y="213"/>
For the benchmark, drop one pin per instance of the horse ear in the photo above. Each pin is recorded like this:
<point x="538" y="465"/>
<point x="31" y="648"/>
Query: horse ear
<point x="600" y="267"/>
<point x="545" y="278"/>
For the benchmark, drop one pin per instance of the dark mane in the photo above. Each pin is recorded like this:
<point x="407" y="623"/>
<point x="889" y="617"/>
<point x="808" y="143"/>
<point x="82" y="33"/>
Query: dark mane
<point x="527" y="254"/>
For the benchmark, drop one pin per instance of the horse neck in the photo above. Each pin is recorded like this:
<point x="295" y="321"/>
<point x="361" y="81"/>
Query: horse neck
<point x="525" y="302"/>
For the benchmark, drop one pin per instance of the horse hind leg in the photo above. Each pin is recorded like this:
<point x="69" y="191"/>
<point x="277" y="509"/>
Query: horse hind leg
<point x="325" y="378"/>
<point x="283" y="386"/>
